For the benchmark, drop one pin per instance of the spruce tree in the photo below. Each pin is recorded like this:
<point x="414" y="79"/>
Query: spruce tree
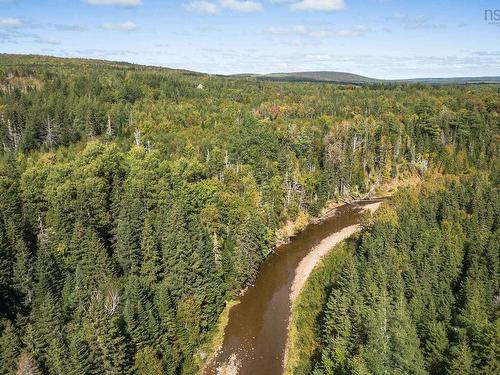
<point x="9" y="349"/>
<point x="80" y="358"/>
<point x="150" y="248"/>
<point x="461" y="360"/>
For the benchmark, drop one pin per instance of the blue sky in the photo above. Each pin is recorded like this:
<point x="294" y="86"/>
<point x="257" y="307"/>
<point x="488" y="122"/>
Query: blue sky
<point x="377" y="38"/>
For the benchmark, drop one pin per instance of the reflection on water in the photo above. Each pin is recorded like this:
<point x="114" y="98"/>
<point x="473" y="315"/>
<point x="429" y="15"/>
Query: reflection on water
<point x="255" y="337"/>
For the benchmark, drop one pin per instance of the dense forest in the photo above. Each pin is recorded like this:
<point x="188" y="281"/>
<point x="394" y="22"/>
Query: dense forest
<point x="417" y="292"/>
<point x="136" y="201"/>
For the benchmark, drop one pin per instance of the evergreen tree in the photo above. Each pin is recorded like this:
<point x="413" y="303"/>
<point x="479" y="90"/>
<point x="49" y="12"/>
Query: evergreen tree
<point x="461" y="361"/>
<point x="151" y="264"/>
<point x="133" y="206"/>
<point x="23" y="273"/>
<point x="80" y="358"/>
<point x="136" y="315"/>
<point x="7" y="292"/>
<point x="9" y="350"/>
<point x="148" y="363"/>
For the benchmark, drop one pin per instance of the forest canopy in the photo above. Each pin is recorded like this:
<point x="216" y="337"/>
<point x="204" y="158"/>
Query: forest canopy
<point x="134" y="203"/>
<point x="417" y="291"/>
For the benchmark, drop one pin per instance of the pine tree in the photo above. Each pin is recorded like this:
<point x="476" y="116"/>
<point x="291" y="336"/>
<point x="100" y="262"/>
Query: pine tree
<point x="357" y="366"/>
<point x="180" y="260"/>
<point x="114" y="350"/>
<point x="47" y="329"/>
<point x="23" y="273"/>
<point x="57" y="356"/>
<point x="406" y="357"/>
<point x="436" y="346"/>
<point x="147" y="362"/>
<point x="81" y="361"/>
<point x="487" y="351"/>
<point x="49" y="276"/>
<point x="377" y="349"/>
<point x="151" y="260"/>
<point x="92" y="265"/>
<point x="128" y="231"/>
<point x="168" y="328"/>
<point x="166" y="310"/>
<point x="135" y="313"/>
<point x="461" y="361"/>
<point x="249" y="248"/>
<point x="228" y="268"/>
<point x="336" y="331"/>
<point x="9" y="350"/>
<point x="7" y="292"/>
<point x="107" y="336"/>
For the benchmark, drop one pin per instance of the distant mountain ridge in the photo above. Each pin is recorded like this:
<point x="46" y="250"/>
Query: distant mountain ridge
<point x="350" y="78"/>
<point x="29" y="60"/>
<point x="315" y="76"/>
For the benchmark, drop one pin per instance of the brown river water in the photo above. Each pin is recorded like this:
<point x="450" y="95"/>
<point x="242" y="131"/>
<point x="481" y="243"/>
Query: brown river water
<point x="256" y="334"/>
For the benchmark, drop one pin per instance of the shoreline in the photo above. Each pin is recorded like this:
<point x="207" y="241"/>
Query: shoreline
<point x="296" y="228"/>
<point x="309" y="262"/>
<point x="211" y="348"/>
<point x="290" y="229"/>
<point x="312" y="259"/>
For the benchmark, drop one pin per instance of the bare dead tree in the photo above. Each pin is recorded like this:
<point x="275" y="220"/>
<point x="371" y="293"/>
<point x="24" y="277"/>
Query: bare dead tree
<point x="42" y="236"/>
<point x="109" y="128"/>
<point x="14" y="135"/>
<point x="137" y="137"/>
<point x="112" y="301"/>
<point x="91" y="306"/>
<point x="50" y="136"/>
<point x="26" y="365"/>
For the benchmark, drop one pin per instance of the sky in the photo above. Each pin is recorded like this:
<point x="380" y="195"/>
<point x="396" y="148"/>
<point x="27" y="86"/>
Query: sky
<point x="377" y="38"/>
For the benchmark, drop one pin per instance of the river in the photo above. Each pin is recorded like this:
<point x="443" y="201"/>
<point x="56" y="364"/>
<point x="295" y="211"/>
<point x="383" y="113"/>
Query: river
<point x="256" y="334"/>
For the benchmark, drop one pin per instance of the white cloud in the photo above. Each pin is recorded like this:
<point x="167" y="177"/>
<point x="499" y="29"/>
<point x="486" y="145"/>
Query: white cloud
<point x="320" y="34"/>
<point x="101" y="53"/>
<point x="308" y="34"/>
<point x="50" y="41"/>
<point x="66" y="27"/>
<point x="299" y="30"/>
<point x="202" y="6"/>
<point x="317" y="57"/>
<point x="10" y="22"/>
<point x="241" y="5"/>
<point x="486" y="53"/>
<point x="210" y="7"/>
<point x="415" y="22"/>
<point x="352" y="31"/>
<point x="318" y="5"/>
<point x="125" y="26"/>
<point x="120" y="3"/>
<point x="300" y="43"/>
<point x="277" y="30"/>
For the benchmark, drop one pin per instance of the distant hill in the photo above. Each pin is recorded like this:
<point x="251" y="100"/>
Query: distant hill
<point x="37" y="61"/>
<point x="452" y="80"/>
<point x="350" y="78"/>
<point x="34" y="61"/>
<point x="320" y="76"/>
